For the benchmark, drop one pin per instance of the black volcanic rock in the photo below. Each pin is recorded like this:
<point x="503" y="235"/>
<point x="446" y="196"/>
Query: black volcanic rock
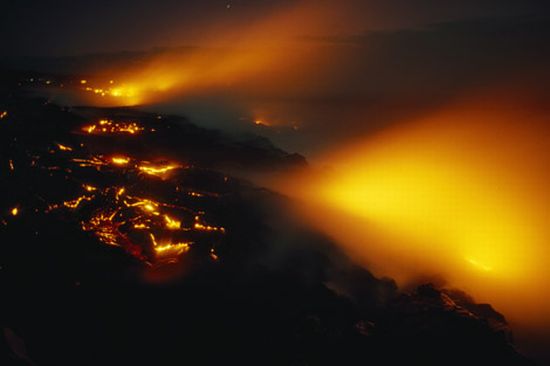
<point x="204" y="147"/>
<point x="272" y="292"/>
<point x="441" y="325"/>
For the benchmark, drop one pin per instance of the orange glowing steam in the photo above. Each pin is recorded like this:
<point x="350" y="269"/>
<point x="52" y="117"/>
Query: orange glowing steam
<point x="270" y="45"/>
<point x="462" y="194"/>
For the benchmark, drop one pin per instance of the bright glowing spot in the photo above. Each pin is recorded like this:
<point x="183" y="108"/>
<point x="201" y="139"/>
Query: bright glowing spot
<point x="172" y="249"/>
<point x="76" y="202"/>
<point x="199" y="226"/>
<point x="463" y="195"/>
<point x="479" y="265"/>
<point x="146" y="205"/>
<point x="119" y="160"/>
<point x="169" y="249"/>
<point x="213" y="255"/>
<point x="64" y="148"/>
<point x="158" y="170"/>
<point x="110" y="127"/>
<point x="83" y="81"/>
<point x="171" y="223"/>
<point x="89" y="188"/>
<point x="14" y="211"/>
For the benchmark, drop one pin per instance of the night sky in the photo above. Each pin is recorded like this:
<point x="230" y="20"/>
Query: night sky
<point x="66" y="27"/>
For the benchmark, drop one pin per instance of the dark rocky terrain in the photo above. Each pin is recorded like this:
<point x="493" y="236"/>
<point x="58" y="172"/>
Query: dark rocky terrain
<point x="125" y="243"/>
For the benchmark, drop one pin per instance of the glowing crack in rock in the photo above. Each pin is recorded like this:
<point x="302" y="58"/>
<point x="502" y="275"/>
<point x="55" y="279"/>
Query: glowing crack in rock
<point x="64" y="147"/>
<point x="153" y="230"/>
<point x="123" y="217"/>
<point x="105" y="126"/>
<point x="158" y="170"/>
<point x="77" y="201"/>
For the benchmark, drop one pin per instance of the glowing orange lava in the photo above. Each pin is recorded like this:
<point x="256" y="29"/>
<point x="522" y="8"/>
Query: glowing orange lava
<point x="105" y="126"/>
<point x="149" y="229"/>
<point x="120" y="160"/>
<point x="160" y="170"/>
<point x="64" y="147"/>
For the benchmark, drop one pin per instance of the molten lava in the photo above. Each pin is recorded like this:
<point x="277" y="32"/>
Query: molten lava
<point x="160" y="170"/>
<point x="110" y="197"/>
<point x="144" y="227"/>
<point x="106" y="126"/>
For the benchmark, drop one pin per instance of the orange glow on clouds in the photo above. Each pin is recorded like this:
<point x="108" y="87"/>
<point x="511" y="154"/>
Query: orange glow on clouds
<point x="462" y="195"/>
<point x="269" y="45"/>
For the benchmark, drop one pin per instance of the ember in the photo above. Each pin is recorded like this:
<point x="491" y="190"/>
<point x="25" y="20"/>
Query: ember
<point x="159" y="171"/>
<point x="64" y="148"/>
<point x="171" y="223"/>
<point x="110" y="200"/>
<point x="124" y="94"/>
<point x="76" y="202"/>
<point x="118" y="160"/>
<point x="106" y="126"/>
<point x="89" y="188"/>
<point x="134" y="223"/>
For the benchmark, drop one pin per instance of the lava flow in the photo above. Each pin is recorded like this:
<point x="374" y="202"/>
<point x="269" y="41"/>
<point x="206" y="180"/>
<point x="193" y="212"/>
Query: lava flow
<point x="124" y="201"/>
<point x="107" y="126"/>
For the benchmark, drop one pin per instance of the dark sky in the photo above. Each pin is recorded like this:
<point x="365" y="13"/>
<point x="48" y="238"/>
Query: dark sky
<point x="66" y="27"/>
